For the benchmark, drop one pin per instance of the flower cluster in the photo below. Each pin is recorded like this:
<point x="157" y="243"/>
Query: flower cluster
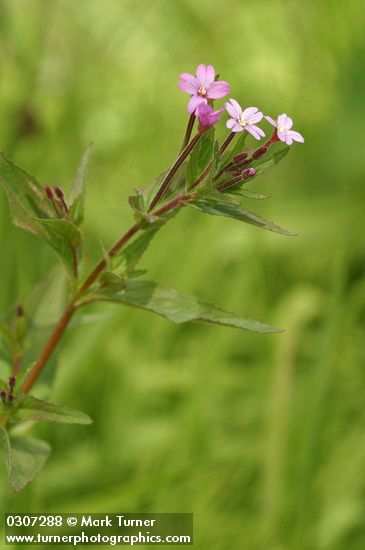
<point x="204" y="88"/>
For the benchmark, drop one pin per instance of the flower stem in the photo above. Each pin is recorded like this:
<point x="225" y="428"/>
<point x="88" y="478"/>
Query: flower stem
<point x="189" y="129"/>
<point x="174" y="168"/>
<point x="226" y="142"/>
<point x="63" y="322"/>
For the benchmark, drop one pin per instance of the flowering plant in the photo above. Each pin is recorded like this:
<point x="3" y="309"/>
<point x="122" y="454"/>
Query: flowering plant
<point x="207" y="176"/>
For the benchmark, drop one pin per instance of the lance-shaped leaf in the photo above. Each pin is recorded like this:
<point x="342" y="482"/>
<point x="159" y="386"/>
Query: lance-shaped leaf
<point x="216" y="160"/>
<point x="25" y="457"/>
<point x="200" y="157"/>
<point x="78" y="189"/>
<point x="220" y="207"/>
<point x="30" y="408"/>
<point x="274" y="155"/>
<point x="234" y="149"/>
<point x="24" y="190"/>
<point x="128" y="258"/>
<point x="65" y="238"/>
<point x="180" y="307"/>
<point x="32" y="211"/>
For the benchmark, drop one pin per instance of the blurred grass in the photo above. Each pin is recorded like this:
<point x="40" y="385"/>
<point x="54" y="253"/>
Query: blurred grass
<point x="261" y="437"/>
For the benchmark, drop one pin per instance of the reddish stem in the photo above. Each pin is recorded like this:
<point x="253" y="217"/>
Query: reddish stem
<point x="72" y="307"/>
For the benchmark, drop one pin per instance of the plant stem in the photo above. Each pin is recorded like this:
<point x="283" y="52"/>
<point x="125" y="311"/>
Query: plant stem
<point x="63" y="322"/>
<point x="226" y="142"/>
<point x="174" y="168"/>
<point x="189" y="129"/>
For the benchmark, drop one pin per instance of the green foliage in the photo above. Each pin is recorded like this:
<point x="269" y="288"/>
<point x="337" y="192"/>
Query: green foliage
<point x="32" y="211"/>
<point x="217" y="204"/>
<point x="25" y="457"/>
<point x="139" y="204"/>
<point x="236" y="147"/>
<point x="201" y="157"/>
<point x="179" y="307"/>
<point x="30" y="408"/>
<point x="275" y="154"/>
<point x="127" y="259"/>
<point x="78" y="190"/>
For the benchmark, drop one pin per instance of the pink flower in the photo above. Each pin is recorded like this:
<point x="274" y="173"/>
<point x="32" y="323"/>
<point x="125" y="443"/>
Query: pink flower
<point x="244" y="120"/>
<point x="202" y="87"/>
<point x="207" y="116"/>
<point x="283" y="127"/>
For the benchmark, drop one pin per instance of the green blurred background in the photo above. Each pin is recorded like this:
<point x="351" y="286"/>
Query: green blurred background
<point x="262" y="437"/>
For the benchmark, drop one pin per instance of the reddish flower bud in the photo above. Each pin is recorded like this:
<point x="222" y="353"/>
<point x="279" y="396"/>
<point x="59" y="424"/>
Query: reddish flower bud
<point x="59" y="192"/>
<point x="19" y="311"/>
<point x="10" y="397"/>
<point x="12" y="381"/>
<point x="48" y="192"/>
<point x="260" y="151"/>
<point x="3" y="394"/>
<point x="240" y="157"/>
<point x="246" y="174"/>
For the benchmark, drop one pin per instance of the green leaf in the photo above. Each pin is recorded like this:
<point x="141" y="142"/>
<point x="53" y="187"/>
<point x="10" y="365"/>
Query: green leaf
<point x="236" y="147"/>
<point x="24" y="189"/>
<point x="138" y="205"/>
<point x="20" y="379"/>
<point x="22" y="216"/>
<point x="31" y="408"/>
<point x="32" y="211"/>
<point x="248" y="194"/>
<point x="200" y="157"/>
<point x="230" y="210"/>
<point x="179" y="307"/>
<point x="65" y="238"/>
<point x="128" y="257"/>
<point x="25" y="457"/>
<point x="77" y="194"/>
<point x="216" y="161"/>
<point x="112" y="281"/>
<point x="275" y="154"/>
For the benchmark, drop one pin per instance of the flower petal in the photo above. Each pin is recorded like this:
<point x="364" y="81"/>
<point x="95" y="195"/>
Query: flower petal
<point x="271" y="120"/>
<point x="188" y="87"/>
<point x="201" y="73"/>
<point x="249" y="111"/>
<point x="230" y="123"/>
<point x="209" y="75"/>
<point x="237" y="128"/>
<point x="255" y="131"/>
<point x="255" y="117"/>
<point x="218" y="89"/>
<point x="284" y="120"/>
<point x="234" y="109"/>
<point x="195" y="100"/>
<point x="296" y="136"/>
<point x="288" y="139"/>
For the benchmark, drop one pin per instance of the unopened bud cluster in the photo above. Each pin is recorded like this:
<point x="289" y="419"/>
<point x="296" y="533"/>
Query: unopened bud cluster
<point x="58" y="201"/>
<point x="8" y="396"/>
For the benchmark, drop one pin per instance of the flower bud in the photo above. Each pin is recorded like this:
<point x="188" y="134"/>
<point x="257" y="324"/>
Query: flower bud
<point x="59" y="192"/>
<point x="48" y="192"/>
<point x="246" y="174"/>
<point x="260" y="151"/>
<point x="12" y="381"/>
<point x="240" y="157"/>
